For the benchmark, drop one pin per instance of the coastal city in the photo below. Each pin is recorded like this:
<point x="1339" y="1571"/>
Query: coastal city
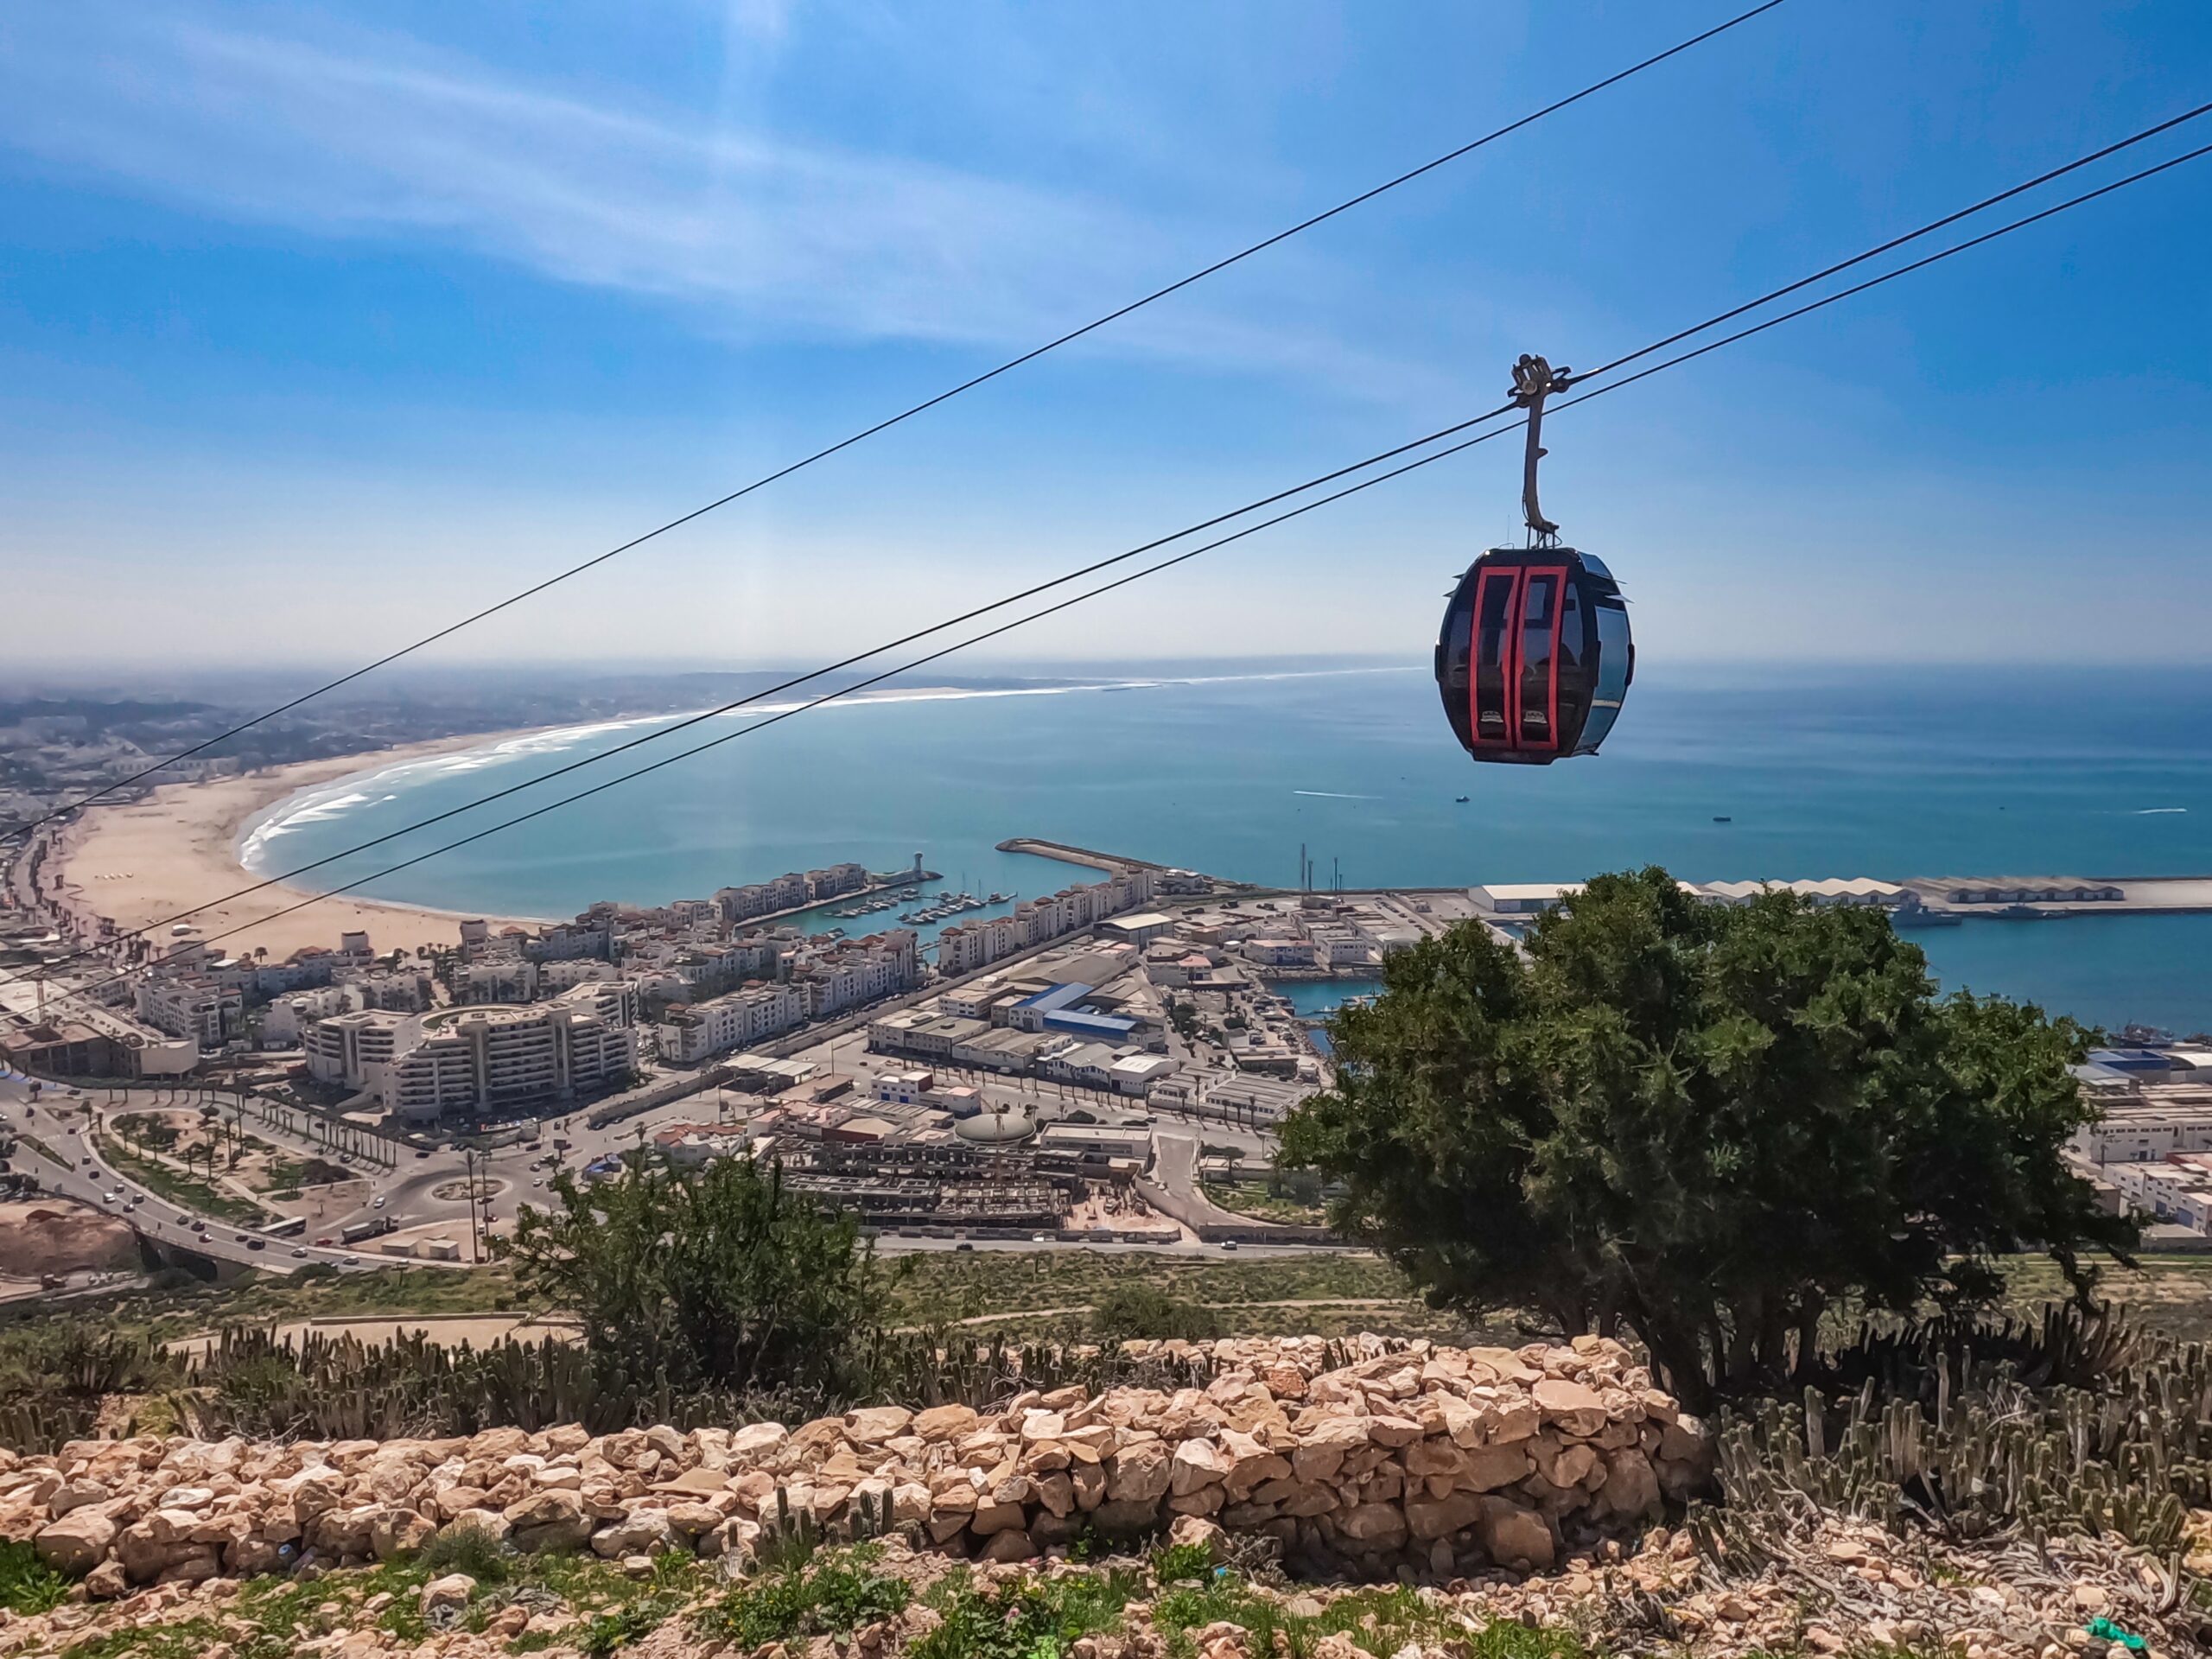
<point x="864" y="832"/>
<point x="1102" y="1066"/>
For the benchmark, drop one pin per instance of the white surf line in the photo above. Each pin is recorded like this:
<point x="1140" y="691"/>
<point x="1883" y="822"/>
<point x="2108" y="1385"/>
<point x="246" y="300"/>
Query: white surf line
<point x="326" y="803"/>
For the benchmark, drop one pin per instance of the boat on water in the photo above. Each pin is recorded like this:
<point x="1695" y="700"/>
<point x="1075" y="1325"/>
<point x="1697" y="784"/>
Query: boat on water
<point x="1718" y="818"/>
<point x="949" y="905"/>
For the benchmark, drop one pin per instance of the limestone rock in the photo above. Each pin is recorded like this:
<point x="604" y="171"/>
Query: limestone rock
<point x="76" y="1543"/>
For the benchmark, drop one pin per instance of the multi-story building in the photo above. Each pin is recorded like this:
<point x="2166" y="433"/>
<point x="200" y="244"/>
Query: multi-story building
<point x="851" y="973"/>
<point x="570" y="941"/>
<point x="190" y="1004"/>
<point x="688" y="1035"/>
<point x="497" y="979"/>
<point x="287" y="1017"/>
<point x="350" y="1051"/>
<point x="564" y="975"/>
<point x="762" y="898"/>
<point x="479" y="1058"/>
<point x="402" y="991"/>
<point x="838" y="878"/>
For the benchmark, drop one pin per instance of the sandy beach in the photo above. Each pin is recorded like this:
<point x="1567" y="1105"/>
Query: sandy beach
<point x="141" y="863"/>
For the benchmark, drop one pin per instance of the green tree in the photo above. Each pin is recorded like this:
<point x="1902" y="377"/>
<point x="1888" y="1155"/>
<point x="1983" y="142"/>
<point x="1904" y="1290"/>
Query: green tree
<point x="722" y="1277"/>
<point x="1706" y="1124"/>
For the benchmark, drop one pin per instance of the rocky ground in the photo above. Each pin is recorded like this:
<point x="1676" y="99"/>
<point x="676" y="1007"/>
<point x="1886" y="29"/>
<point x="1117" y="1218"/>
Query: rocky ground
<point x="1390" y="1504"/>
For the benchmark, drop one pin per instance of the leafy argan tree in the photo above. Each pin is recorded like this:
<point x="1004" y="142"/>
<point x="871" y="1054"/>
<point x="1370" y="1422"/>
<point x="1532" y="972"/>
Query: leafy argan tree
<point x="1707" y="1125"/>
<point x="719" y="1278"/>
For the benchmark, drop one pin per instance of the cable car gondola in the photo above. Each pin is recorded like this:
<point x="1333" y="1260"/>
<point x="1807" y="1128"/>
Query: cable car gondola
<point x="1535" y="659"/>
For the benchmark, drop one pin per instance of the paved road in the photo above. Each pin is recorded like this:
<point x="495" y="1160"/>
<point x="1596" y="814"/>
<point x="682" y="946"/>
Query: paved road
<point x="92" y="1180"/>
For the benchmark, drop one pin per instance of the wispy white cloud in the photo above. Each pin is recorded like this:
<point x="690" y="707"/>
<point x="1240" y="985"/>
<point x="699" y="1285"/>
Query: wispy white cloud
<point x="370" y="134"/>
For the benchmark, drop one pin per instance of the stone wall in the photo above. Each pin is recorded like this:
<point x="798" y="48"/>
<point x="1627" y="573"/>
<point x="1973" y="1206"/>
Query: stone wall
<point x="1443" y="1459"/>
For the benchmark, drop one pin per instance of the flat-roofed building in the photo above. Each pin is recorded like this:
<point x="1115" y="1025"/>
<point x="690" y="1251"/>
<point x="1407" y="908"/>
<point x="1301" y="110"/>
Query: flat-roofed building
<point x="1097" y="1140"/>
<point x="1141" y="928"/>
<point x="1137" y="1074"/>
<point x="1522" y="898"/>
<point x="1828" y="893"/>
<point x="698" y="1031"/>
<point x="1000" y="1049"/>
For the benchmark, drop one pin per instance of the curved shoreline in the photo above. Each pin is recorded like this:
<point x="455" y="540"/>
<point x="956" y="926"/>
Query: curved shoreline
<point x="188" y="844"/>
<point x="140" y="862"/>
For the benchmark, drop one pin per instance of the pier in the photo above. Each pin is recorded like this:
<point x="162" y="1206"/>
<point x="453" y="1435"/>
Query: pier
<point x="1938" y="899"/>
<point x="1112" y="863"/>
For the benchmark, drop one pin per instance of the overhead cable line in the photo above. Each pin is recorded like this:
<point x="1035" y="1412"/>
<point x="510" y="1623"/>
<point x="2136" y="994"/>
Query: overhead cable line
<point x="1400" y="470"/>
<point x="907" y="414"/>
<point x="1076" y="574"/>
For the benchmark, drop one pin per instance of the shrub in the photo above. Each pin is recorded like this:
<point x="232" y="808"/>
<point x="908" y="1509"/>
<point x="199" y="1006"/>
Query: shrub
<point x="721" y="1278"/>
<point x="465" y="1547"/>
<point x="1132" y="1312"/>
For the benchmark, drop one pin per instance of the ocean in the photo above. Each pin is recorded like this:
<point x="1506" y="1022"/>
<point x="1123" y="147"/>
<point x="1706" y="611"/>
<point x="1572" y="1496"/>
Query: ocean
<point x="1888" y="772"/>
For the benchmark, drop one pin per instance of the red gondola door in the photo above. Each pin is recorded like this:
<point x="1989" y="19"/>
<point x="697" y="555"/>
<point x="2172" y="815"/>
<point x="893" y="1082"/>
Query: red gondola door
<point x="1537" y="726"/>
<point x="1491" y="681"/>
<point x="1513" y="683"/>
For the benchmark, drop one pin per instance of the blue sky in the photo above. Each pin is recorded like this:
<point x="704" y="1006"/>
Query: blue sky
<point x="320" y="325"/>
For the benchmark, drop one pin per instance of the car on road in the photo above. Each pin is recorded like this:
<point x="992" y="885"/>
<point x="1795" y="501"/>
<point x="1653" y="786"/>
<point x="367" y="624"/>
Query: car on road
<point x="239" y="1237"/>
<point x="963" y="1245"/>
<point x="377" y="1203"/>
<point x="351" y="1260"/>
<point x="1228" y="1243"/>
<point x="257" y="1244"/>
<point x="300" y="1254"/>
<point x="421" y="1154"/>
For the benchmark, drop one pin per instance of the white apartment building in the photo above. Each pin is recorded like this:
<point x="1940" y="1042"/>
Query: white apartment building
<point x="838" y="878"/>
<point x="477" y="1059"/>
<point x="760" y="898"/>
<point x="497" y="979"/>
<point x="349" y="1050"/>
<point x="691" y="1034"/>
<point x="857" y="971"/>
<point x="966" y="946"/>
<point x="556" y="977"/>
<point x="288" y="1017"/>
<point x="397" y="989"/>
<point x="301" y="973"/>
<point x="569" y="941"/>
<point x="189" y="1007"/>
<point x="494" y="1058"/>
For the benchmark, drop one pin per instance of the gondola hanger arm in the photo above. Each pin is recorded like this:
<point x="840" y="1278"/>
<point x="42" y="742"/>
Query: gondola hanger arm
<point x="1534" y="380"/>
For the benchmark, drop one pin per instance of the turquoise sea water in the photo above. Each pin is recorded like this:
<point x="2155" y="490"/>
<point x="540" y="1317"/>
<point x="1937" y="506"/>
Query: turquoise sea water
<point x="1892" y="774"/>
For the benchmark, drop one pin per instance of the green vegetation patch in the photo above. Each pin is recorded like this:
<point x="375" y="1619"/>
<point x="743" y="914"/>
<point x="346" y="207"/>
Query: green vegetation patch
<point x="27" y="1585"/>
<point x="185" y="1191"/>
<point x="1026" y="1618"/>
<point x="1263" y="1205"/>
<point x="834" y="1594"/>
